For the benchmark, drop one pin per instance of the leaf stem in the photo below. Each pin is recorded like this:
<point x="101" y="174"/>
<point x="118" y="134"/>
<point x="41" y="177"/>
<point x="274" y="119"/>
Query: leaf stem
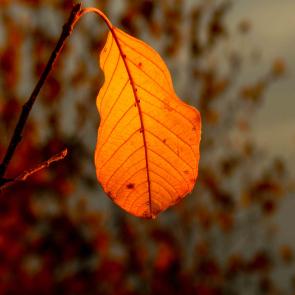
<point x="99" y="13"/>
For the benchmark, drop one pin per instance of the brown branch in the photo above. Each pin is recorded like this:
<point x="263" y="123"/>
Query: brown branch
<point x="24" y="175"/>
<point x="17" y="134"/>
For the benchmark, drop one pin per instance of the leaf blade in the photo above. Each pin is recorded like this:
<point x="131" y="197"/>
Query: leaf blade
<point x="147" y="133"/>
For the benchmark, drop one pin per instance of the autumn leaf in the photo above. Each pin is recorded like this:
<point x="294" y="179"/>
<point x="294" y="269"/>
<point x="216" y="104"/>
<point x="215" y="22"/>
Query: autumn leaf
<point x="147" y="150"/>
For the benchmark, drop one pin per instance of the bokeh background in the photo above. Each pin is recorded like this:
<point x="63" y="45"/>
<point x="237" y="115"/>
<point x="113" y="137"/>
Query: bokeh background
<point x="233" y="60"/>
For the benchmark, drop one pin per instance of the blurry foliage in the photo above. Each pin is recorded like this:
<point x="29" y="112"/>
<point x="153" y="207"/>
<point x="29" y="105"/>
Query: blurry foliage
<point x="59" y="235"/>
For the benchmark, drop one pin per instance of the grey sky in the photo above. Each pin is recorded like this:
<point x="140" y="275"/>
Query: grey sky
<point x="273" y="24"/>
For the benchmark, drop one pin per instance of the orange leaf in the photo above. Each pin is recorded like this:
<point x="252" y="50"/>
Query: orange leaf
<point x="147" y="151"/>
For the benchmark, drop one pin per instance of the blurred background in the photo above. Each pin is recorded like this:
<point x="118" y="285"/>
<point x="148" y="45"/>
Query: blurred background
<point x="233" y="60"/>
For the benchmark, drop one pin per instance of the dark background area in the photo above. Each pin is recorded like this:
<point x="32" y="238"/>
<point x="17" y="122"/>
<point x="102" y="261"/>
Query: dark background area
<point x="60" y="234"/>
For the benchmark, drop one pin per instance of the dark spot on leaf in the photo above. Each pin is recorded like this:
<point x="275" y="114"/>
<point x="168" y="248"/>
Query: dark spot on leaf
<point x="186" y="172"/>
<point x="130" y="185"/>
<point x="140" y="64"/>
<point x="164" y="140"/>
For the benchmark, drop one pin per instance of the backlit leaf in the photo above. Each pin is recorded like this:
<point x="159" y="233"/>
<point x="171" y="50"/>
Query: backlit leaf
<point x="147" y="151"/>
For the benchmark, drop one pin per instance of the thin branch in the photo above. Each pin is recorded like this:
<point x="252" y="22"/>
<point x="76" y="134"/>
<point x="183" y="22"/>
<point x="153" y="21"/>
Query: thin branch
<point x="24" y="175"/>
<point x="17" y="134"/>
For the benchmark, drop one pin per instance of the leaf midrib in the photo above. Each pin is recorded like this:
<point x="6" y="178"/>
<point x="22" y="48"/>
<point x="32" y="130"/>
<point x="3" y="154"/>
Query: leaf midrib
<point x="140" y="113"/>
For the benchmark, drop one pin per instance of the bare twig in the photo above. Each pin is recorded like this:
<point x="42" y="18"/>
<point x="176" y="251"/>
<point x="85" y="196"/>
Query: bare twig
<point x="24" y="175"/>
<point x="17" y="134"/>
